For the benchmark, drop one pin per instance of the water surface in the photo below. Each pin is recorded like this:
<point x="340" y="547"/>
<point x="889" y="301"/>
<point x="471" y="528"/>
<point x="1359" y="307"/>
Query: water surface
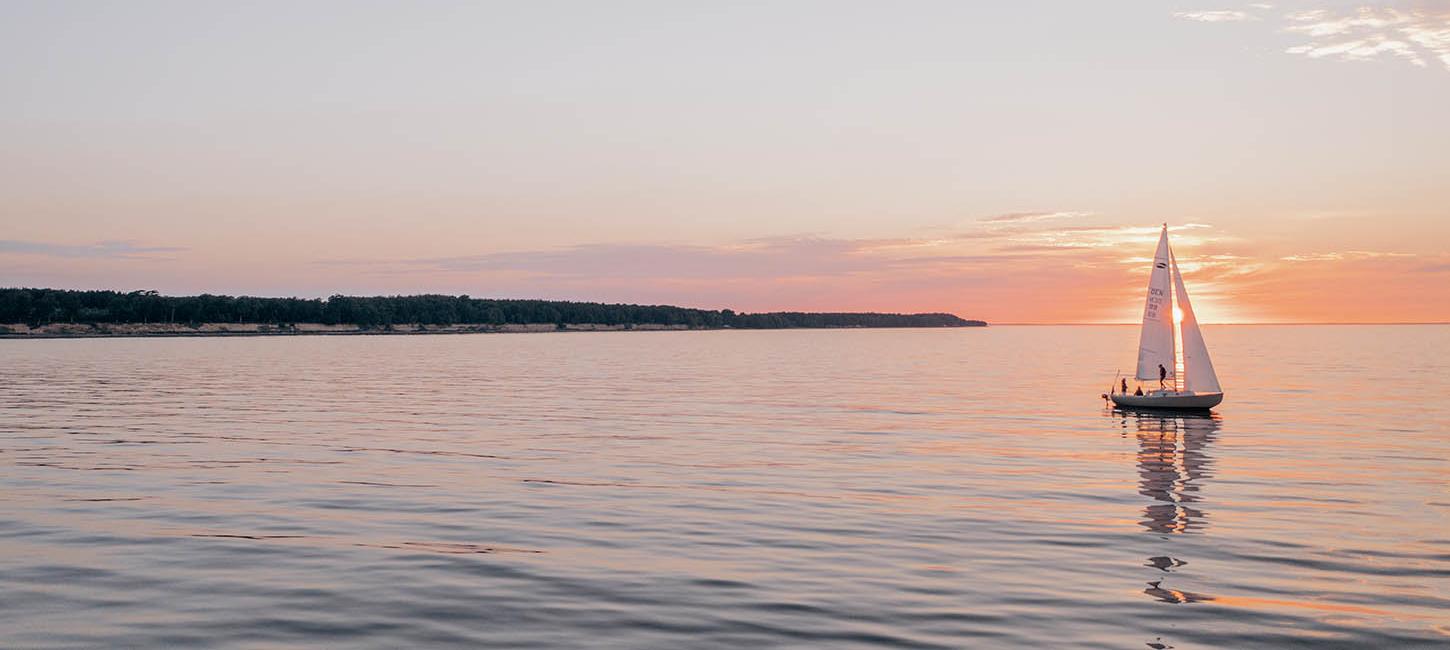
<point x="864" y="488"/>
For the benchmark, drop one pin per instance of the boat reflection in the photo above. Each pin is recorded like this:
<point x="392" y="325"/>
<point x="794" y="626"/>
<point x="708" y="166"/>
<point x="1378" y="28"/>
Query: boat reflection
<point x="1173" y="461"/>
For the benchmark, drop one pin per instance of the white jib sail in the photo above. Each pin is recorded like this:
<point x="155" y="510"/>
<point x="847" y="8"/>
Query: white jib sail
<point x="1198" y="374"/>
<point x="1155" y="345"/>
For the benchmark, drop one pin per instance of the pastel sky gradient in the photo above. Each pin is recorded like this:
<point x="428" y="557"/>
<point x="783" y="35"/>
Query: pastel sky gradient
<point x="1006" y="160"/>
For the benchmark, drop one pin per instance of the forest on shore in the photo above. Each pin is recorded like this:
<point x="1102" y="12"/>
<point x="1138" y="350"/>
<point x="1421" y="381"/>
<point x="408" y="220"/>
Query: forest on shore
<point x="37" y="307"/>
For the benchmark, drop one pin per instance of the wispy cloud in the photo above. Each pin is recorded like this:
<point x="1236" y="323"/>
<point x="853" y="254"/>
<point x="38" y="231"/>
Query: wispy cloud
<point x="1419" y="37"/>
<point x="1215" y="16"/>
<point x="1028" y="217"/>
<point x="1340" y="256"/>
<point x="1102" y="237"/>
<point x="98" y="250"/>
<point x="1369" y="33"/>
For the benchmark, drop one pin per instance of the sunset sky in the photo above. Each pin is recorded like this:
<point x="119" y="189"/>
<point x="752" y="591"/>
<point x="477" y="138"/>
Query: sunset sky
<point x="1009" y="161"/>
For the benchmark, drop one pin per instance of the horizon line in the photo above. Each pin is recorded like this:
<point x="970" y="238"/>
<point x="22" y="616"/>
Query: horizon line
<point x="1120" y="323"/>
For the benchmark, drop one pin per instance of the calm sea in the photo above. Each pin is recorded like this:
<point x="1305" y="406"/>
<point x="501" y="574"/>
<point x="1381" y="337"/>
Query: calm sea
<point x="867" y="488"/>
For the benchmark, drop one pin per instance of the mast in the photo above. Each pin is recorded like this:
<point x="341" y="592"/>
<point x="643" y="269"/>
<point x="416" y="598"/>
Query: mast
<point x="1173" y="324"/>
<point x="1177" y="333"/>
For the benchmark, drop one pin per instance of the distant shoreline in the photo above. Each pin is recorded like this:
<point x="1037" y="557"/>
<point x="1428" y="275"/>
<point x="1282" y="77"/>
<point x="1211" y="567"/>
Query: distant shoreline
<point x="76" y="313"/>
<point x="177" y="330"/>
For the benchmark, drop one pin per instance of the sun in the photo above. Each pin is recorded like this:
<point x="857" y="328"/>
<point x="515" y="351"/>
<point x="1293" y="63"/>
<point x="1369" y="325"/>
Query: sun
<point x="1177" y="315"/>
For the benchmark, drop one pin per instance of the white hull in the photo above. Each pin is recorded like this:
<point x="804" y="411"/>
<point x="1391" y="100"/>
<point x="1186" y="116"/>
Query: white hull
<point x="1168" y="400"/>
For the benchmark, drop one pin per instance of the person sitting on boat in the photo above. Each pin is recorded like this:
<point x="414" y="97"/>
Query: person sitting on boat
<point x="1137" y="393"/>
<point x="1162" y="375"/>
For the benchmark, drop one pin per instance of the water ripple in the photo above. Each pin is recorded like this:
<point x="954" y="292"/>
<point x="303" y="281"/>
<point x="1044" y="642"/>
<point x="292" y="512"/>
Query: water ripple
<point x="852" y="489"/>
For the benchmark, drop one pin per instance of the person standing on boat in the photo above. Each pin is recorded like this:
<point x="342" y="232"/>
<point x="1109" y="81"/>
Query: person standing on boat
<point x="1162" y="375"/>
<point x="1125" y="385"/>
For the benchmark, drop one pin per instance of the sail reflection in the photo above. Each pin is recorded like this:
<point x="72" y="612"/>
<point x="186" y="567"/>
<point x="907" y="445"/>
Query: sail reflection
<point x="1173" y="461"/>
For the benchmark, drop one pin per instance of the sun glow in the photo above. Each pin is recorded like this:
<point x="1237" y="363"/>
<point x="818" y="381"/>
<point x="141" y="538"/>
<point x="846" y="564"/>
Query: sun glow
<point x="1177" y="315"/>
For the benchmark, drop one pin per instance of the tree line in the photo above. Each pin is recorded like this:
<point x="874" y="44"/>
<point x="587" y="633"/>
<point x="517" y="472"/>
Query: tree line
<point x="37" y="307"/>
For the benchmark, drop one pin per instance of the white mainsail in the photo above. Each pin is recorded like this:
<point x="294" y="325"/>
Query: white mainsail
<point x="1155" y="345"/>
<point x="1198" y="374"/>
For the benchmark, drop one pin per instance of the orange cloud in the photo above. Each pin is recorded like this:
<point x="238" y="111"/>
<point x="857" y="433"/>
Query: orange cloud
<point x="1022" y="269"/>
<point x="1215" y="16"/>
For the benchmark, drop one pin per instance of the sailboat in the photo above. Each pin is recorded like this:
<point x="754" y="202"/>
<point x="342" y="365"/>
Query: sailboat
<point x="1157" y="345"/>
